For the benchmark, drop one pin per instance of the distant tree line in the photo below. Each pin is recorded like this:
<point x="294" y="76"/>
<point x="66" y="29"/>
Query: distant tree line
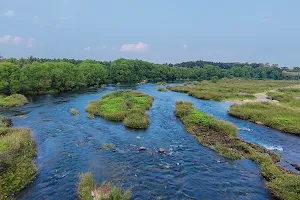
<point x="38" y="75"/>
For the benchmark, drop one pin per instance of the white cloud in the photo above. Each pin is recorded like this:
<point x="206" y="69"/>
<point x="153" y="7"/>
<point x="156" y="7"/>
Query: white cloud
<point x="139" y="47"/>
<point x="10" y="13"/>
<point x="185" y="46"/>
<point x="8" y="39"/>
<point x="30" y="42"/>
<point x="87" y="49"/>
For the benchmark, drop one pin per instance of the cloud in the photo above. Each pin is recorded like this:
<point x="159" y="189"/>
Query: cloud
<point x="87" y="49"/>
<point x="12" y="40"/>
<point x="10" y="13"/>
<point x="30" y="42"/>
<point x="139" y="47"/>
<point x="185" y="46"/>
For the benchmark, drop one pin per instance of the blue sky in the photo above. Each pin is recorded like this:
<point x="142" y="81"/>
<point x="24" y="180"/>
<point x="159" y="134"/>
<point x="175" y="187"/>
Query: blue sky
<point x="157" y="30"/>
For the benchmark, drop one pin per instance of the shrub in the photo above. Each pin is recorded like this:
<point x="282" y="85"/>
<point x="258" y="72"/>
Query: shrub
<point x="13" y="100"/>
<point x="160" y="89"/>
<point x="214" y="79"/>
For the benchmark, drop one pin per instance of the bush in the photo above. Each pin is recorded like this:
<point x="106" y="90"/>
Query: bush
<point x="214" y="79"/>
<point x="13" y="100"/>
<point x="161" y="89"/>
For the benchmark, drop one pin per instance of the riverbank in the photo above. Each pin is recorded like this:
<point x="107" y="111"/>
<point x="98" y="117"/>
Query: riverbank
<point x="17" y="150"/>
<point x="221" y="137"/>
<point x="127" y="106"/>
<point x="13" y="100"/>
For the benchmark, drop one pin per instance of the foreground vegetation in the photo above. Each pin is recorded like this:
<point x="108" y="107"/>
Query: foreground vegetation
<point x="127" y="106"/>
<point x="229" y="89"/>
<point x="221" y="137"/>
<point x="88" y="190"/>
<point x="17" y="151"/>
<point x="13" y="100"/>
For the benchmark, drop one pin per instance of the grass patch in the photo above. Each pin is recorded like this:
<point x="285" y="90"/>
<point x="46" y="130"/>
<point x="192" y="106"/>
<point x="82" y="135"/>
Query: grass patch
<point x="160" y="89"/>
<point x="13" y="100"/>
<point x="233" y="89"/>
<point x="221" y="137"/>
<point x="74" y="111"/>
<point x="88" y="190"/>
<point x="288" y="96"/>
<point x="127" y="106"/>
<point x="17" y="151"/>
<point x="272" y="115"/>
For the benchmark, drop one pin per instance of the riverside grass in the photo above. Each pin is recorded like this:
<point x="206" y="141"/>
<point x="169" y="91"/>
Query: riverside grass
<point x="127" y="106"/>
<point x="87" y="190"/>
<point x="275" y="116"/>
<point x="221" y="137"/>
<point x="230" y="89"/>
<point x="13" y="100"/>
<point x="17" y="150"/>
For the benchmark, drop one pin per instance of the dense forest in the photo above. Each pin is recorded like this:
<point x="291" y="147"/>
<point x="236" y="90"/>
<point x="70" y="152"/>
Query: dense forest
<point x="38" y="75"/>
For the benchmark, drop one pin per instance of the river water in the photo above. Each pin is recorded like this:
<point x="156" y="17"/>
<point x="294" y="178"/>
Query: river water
<point x="68" y="145"/>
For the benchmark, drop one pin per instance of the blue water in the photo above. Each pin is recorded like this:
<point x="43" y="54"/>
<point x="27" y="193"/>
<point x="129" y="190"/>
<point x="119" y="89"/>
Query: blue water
<point x="68" y="145"/>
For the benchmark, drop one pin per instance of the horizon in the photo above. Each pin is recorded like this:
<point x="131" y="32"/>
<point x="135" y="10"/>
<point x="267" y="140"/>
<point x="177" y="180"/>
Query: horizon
<point x="105" y="31"/>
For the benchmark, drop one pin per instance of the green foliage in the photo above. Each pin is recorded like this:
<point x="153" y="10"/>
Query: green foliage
<point x="160" y="89"/>
<point x="221" y="137"/>
<point x="272" y="115"/>
<point x="127" y="106"/>
<point x="214" y="79"/>
<point x="13" y="100"/>
<point x="88" y="190"/>
<point x="228" y="89"/>
<point x="17" y="151"/>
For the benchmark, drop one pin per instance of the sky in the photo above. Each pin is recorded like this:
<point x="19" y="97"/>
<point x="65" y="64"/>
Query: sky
<point x="160" y="31"/>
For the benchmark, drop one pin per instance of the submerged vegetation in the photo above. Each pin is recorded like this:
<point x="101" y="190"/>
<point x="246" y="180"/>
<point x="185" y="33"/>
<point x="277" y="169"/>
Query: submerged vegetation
<point x="13" y="100"/>
<point x="74" y="111"/>
<point x="127" y="106"/>
<point x="17" y="151"/>
<point x="221" y="137"/>
<point x="229" y="89"/>
<point x="88" y="190"/>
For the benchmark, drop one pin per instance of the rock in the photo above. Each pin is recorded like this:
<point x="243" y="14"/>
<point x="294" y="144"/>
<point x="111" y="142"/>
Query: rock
<point x="260" y="123"/>
<point x="162" y="150"/>
<point x="297" y="167"/>
<point x="142" y="148"/>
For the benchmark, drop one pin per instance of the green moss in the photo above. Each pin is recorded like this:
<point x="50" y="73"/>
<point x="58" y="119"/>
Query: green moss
<point x="221" y="137"/>
<point x="13" y="100"/>
<point x="74" y="111"/>
<point x="272" y="115"/>
<point x="233" y="89"/>
<point x="88" y="190"/>
<point x="127" y="106"/>
<point x="17" y="151"/>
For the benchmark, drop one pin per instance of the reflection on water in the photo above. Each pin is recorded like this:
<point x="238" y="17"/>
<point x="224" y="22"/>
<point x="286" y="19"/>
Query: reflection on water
<point x="68" y="145"/>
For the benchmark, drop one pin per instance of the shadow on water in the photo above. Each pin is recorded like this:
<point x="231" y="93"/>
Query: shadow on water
<point x="68" y="145"/>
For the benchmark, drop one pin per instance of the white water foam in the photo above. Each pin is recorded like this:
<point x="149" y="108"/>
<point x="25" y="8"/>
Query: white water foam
<point x="271" y="147"/>
<point x="245" y="129"/>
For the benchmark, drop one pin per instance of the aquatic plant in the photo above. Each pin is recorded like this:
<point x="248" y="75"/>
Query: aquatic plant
<point x="127" y="106"/>
<point x="13" y="100"/>
<point x="107" y="146"/>
<point x="88" y="190"/>
<point x="275" y="116"/>
<point x="160" y="89"/>
<point x="74" y="111"/>
<point x="221" y="137"/>
<point x="17" y="150"/>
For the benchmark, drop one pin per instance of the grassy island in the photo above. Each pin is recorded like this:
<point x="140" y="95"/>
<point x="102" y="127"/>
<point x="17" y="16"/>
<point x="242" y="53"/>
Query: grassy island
<point x="88" y="190"/>
<point x="229" y="89"/>
<point x="13" y="100"/>
<point x="17" y="150"/>
<point x="221" y="137"/>
<point x="127" y="106"/>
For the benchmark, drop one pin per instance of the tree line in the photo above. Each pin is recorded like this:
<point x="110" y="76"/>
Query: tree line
<point x="37" y="76"/>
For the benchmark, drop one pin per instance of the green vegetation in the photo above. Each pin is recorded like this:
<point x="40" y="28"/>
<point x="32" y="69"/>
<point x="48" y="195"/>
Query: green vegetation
<point x="13" y="100"/>
<point x="17" y="151"/>
<point x="272" y="115"/>
<point x="38" y="75"/>
<point x="108" y="147"/>
<point x="229" y="89"/>
<point x="127" y="106"/>
<point x="88" y="190"/>
<point x="74" y="111"/>
<point x="287" y="96"/>
<point x="160" y="89"/>
<point x="221" y="137"/>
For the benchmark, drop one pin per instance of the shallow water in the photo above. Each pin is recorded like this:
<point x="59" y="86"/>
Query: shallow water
<point x="68" y="145"/>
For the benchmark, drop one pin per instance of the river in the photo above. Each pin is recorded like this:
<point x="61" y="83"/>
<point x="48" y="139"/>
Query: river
<point x="68" y="145"/>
